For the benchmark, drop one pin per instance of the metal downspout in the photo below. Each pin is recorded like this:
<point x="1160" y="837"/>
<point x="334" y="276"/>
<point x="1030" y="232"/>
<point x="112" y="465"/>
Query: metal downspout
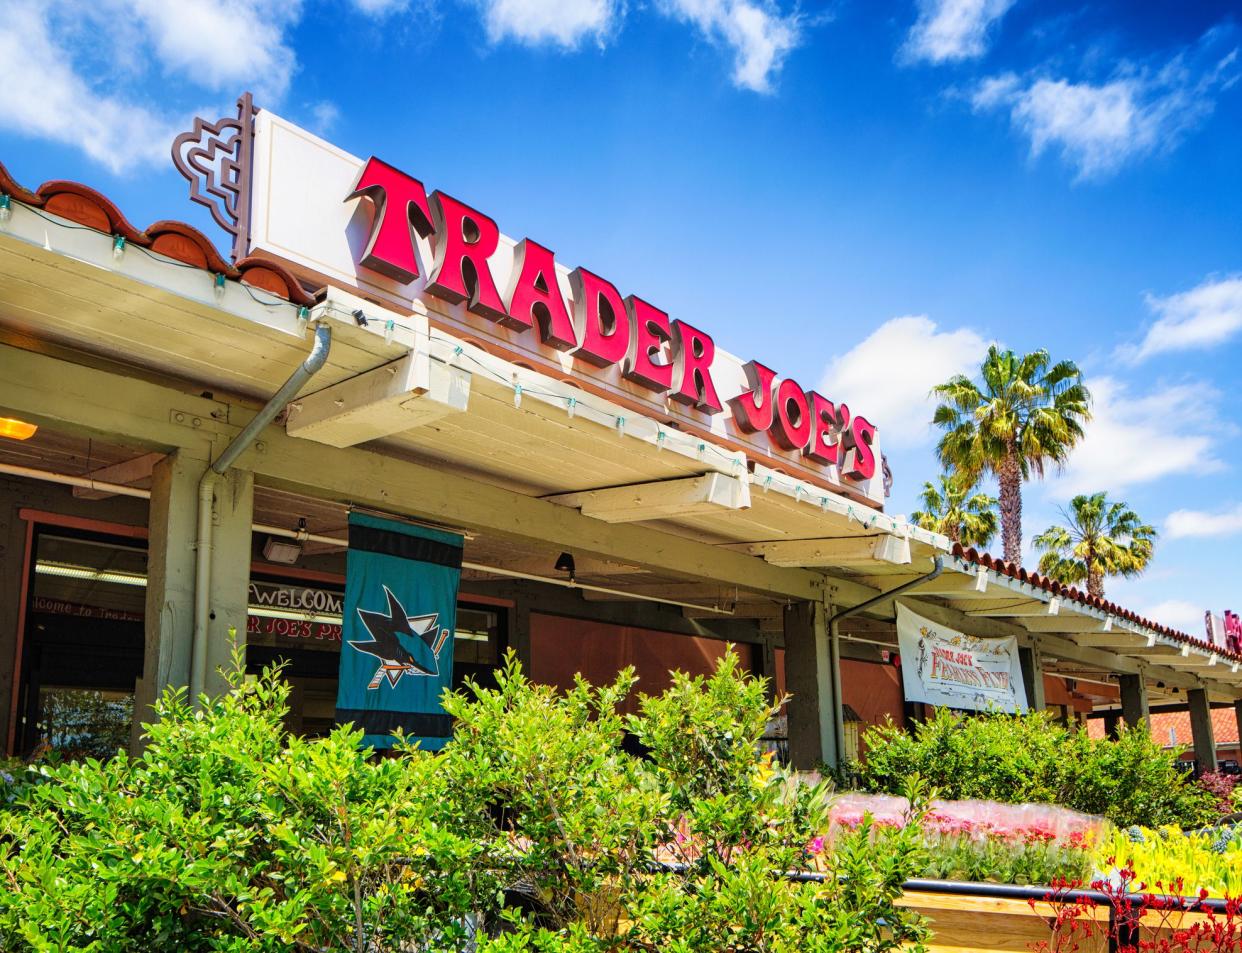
<point x="834" y="644"/>
<point x="207" y="494"/>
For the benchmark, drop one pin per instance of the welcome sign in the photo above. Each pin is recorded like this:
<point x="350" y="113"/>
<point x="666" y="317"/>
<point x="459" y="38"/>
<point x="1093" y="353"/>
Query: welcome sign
<point x="941" y="666"/>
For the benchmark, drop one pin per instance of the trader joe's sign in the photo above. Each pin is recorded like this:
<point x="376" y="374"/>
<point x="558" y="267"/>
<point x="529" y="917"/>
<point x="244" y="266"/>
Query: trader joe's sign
<point x="368" y="225"/>
<point x="944" y="667"/>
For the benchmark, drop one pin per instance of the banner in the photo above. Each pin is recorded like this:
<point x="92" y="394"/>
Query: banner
<point x="941" y="666"/>
<point x="400" y="612"/>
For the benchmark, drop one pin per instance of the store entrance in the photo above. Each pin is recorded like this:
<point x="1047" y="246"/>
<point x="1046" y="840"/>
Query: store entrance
<point x="82" y="646"/>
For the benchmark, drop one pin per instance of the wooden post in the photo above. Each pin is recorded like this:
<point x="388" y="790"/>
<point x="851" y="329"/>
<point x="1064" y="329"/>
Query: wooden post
<point x="170" y="582"/>
<point x="1134" y="707"/>
<point x="765" y="665"/>
<point x="519" y="634"/>
<point x="1201" y="729"/>
<point x="230" y="573"/>
<point x="1237" y="714"/>
<point x="1033" y="677"/>
<point x="809" y="679"/>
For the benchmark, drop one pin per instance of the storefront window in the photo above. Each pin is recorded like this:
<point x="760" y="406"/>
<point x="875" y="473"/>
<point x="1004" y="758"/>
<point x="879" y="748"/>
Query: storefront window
<point x="82" y="653"/>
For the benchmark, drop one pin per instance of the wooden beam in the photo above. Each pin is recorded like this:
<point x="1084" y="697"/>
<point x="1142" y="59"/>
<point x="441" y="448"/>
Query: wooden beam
<point x="126" y="473"/>
<point x="70" y="396"/>
<point x="662" y="499"/>
<point x="850" y="551"/>
<point x="407" y="393"/>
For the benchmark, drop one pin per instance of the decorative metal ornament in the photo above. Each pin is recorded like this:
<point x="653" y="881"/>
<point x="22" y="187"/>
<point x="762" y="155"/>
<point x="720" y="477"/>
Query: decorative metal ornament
<point x="216" y="159"/>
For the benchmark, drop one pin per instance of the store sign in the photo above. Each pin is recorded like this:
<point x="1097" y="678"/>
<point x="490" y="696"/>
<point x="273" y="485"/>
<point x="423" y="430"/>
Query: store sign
<point x="367" y="225"/>
<point x="944" y="667"/>
<point x="301" y="613"/>
<point x="1224" y="631"/>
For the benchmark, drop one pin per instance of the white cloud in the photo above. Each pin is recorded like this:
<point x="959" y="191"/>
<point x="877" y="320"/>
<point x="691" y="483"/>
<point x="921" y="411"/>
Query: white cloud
<point x="949" y="30"/>
<point x="1183" y="524"/>
<point x="45" y="97"/>
<point x="1098" y="127"/>
<point x="888" y="376"/>
<point x="563" y="23"/>
<point x="324" y="115"/>
<point x="1176" y="614"/>
<point x="1137" y="438"/>
<point x="380" y="8"/>
<point x="222" y="44"/>
<point x="1207" y="314"/>
<point x="757" y="32"/>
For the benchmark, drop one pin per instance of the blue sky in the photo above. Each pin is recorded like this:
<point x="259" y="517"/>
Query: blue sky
<point x="860" y="194"/>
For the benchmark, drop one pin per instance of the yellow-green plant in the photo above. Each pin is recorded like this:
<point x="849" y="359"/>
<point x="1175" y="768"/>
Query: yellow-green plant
<point x="1169" y="860"/>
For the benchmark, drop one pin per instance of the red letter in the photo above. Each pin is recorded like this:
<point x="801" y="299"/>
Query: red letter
<point x="825" y="430"/>
<point x="535" y="296"/>
<point x="602" y="323"/>
<point x="752" y="411"/>
<point x="400" y="210"/>
<point x="651" y="333"/>
<point x="693" y="352"/>
<point x="859" y="461"/>
<point x="792" y="427"/>
<point x="465" y="239"/>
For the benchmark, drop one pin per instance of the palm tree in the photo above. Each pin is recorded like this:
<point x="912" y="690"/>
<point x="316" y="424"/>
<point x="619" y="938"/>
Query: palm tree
<point x="1025" y="414"/>
<point x="1102" y="539"/>
<point x="955" y="509"/>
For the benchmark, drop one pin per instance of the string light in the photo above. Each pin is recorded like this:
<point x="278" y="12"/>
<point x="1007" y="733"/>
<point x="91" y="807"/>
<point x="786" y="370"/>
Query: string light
<point x="620" y="426"/>
<point x="767" y="483"/>
<point x="218" y="287"/>
<point x="570" y="404"/>
<point x="660" y="435"/>
<point x="6" y="207"/>
<point x="517" y="394"/>
<point x="118" y="247"/>
<point x="303" y="313"/>
<point x="389" y="325"/>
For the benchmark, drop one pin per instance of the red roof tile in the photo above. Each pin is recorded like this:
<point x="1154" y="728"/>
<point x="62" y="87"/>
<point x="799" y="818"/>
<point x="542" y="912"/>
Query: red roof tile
<point x="176" y="240"/>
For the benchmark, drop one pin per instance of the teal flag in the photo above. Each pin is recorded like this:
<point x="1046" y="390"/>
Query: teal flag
<point x="399" y="616"/>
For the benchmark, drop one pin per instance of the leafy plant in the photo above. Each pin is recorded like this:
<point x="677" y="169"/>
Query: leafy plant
<point x="533" y="830"/>
<point x="1033" y="759"/>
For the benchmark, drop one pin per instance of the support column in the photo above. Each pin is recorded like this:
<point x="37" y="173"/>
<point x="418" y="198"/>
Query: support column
<point x="231" y="554"/>
<point x="170" y="582"/>
<point x="519" y="634"/>
<point x="1112" y="723"/>
<point x="1237" y="714"/>
<point x="814" y="708"/>
<point x="1201" y="729"/>
<point x="765" y="665"/>
<point x="1134" y="707"/>
<point x="1033" y="677"/>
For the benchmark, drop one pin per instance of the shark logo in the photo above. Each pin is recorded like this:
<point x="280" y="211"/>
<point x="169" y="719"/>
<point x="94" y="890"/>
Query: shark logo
<point x="405" y="645"/>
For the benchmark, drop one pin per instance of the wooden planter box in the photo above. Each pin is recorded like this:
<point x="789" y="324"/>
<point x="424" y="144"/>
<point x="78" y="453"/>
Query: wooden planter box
<point x="981" y="924"/>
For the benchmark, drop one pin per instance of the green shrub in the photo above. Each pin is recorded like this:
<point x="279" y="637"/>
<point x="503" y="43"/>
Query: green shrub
<point x="1034" y="759"/>
<point x="532" y="831"/>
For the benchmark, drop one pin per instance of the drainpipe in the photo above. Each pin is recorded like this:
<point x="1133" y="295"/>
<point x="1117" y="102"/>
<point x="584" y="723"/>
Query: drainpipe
<point x="834" y="643"/>
<point x="207" y="494"/>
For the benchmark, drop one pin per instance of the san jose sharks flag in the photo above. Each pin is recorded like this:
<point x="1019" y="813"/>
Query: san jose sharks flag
<point x="397" y="644"/>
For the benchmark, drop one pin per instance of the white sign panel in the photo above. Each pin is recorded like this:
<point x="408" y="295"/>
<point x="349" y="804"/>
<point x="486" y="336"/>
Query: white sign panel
<point x="941" y="666"/>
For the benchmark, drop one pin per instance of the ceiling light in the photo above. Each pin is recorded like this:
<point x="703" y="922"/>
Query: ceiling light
<point x="69" y="571"/>
<point x="283" y="551"/>
<point x="565" y="563"/>
<point x="16" y="429"/>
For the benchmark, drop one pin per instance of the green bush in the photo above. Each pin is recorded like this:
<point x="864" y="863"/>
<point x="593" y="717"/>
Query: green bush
<point x="1034" y="759"/>
<point x="532" y="831"/>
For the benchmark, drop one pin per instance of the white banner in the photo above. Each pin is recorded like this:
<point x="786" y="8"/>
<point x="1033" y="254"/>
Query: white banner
<point x="941" y="666"/>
